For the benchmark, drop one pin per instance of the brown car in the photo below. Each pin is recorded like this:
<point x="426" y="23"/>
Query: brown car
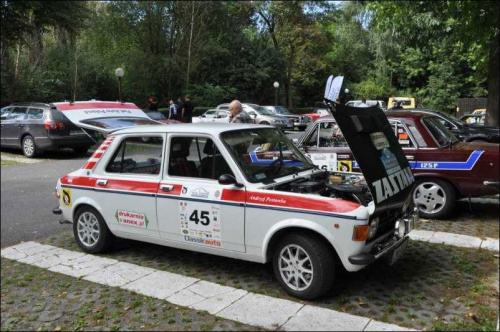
<point x="446" y="169"/>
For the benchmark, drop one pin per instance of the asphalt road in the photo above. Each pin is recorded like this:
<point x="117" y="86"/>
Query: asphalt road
<point x="28" y="196"/>
<point x="28" y="199"/>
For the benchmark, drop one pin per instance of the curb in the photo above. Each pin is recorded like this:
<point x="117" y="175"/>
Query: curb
<point x="457" y="240"/>
<point x="222" y="301"/>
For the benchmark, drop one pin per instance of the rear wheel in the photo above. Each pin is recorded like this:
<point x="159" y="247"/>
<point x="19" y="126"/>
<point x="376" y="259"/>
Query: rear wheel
<point x="303" y="265"/>
<point x="264" y="123"/>
<point x="29" y="147"/>
<point x="434" y="198"/>
<point x="91" y="232"/>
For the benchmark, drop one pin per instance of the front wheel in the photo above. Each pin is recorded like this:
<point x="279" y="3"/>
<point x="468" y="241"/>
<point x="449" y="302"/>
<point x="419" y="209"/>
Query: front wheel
<point x="303" y="265"/>
<point x="90" y="231"/>
<point x="434" y="198"/>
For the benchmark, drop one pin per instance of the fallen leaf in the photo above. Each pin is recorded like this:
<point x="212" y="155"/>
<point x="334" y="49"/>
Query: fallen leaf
<point x="96" y="310"/>
<point x="45" y="293"/>
<point x="126" y="308"/>
<point x="436" y="318"/>
<point x="58" y="328"/>
<point x="142" y="326"/>
<point x="361" y="301"/>
<point x="495" y="255"/>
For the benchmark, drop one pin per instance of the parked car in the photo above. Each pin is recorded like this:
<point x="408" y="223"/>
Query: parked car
<point x="445" y="168"/>
<point x="38" y="127"/>
<point x="480" y="111"/>
<point x="405" y="102"/>
<point x="160" y="117"/>
<point x="473" y="119"/>
<point x="379" y="103"/>
<point x="317" y="113"/>
<point x="299" y="121"/>
<point x="213" y="115"/>
<point x="260" y="115"/>
<point x="465" y="132"/>
<point x="236" y="190"/>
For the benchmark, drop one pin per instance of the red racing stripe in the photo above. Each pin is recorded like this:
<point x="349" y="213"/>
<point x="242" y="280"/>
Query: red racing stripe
<point x="94" y="105"/>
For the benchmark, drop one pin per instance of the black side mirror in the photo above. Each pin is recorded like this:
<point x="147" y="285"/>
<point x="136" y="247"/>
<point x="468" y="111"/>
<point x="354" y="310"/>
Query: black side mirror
<point x="226" y="179"/>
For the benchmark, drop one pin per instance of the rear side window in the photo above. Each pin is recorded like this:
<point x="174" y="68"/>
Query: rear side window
<point x="18" y="113"/>
<point x="35" y="114"/>
<point x="402" y="135"/>
<point x="57" y="115"/>
<point x="134" y="156"/>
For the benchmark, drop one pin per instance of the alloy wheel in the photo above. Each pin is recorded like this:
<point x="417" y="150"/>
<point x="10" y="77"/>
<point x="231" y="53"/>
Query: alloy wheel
<point x="295" y="267"/>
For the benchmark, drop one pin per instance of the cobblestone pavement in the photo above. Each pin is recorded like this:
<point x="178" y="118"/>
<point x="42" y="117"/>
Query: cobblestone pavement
<point x="36" y="299"/>
<point x="433" y="286"/>
<point x="482" y="222"/>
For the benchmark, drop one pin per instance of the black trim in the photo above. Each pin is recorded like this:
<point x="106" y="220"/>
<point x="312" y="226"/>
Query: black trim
<point x="57" y="210"/>
<point x="362" y="259"/>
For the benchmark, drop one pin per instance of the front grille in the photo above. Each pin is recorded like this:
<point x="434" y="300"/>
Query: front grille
<point x="387" y="223"/>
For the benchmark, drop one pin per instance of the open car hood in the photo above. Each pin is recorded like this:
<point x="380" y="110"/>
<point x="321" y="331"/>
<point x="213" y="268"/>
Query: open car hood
<point x="104" y="116"/>
<point x="378" y="154"/>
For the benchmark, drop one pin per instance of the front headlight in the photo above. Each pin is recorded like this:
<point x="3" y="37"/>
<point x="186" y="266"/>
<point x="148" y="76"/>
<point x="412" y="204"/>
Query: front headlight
<point x="373" y="227"/>
<point x="400" y="229"/>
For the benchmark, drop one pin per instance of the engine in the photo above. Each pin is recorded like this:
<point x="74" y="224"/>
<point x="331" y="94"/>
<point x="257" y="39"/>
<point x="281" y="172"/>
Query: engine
<point x="342" y="186"/>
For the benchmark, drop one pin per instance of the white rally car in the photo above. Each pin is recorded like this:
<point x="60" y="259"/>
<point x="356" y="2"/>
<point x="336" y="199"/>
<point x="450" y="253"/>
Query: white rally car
<point x="236" y="190"/>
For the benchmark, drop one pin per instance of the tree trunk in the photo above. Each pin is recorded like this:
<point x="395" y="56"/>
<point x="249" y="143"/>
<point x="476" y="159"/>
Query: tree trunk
<point x="189" y="48"/>
<point x="493" y="84"/>
<point x="76" y="73"/>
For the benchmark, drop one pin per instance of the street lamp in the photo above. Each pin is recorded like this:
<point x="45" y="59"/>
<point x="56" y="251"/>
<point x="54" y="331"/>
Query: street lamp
<point x="119" y="74"/>
<point x="346" y="91"/>
<point x="276" y="86"/>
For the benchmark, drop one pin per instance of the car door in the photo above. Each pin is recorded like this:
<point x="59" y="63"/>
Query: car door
<point x="126" y="184"/>
<point x="12" y="126"/>
<point x="323" y="143"/>
<point x="406" y="140"/>
<point x="192" y="205"/>
<point x="4" y="115"/>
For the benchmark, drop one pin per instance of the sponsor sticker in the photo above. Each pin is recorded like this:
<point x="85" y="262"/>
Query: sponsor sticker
<point x="130" y="218"/>
<point x="200" y="223"/>
<point x="344" y="166"/>
<point x="379" y="140"/>
<point x="66" y="197"/>
<point x="199" y="192"/>
<point x="389" y="161"/>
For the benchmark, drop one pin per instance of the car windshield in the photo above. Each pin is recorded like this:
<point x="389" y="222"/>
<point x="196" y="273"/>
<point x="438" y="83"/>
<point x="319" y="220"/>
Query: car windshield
<point x="264" y="154"/>
<point x="262" y="110"/>
<point x="156" y="116"/>
<point x="440" y="133"/>
<point x="281" y="110"/>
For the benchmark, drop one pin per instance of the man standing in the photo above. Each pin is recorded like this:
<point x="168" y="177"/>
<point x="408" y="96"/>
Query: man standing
<point x="187" y="110"/>
<point x="173" y="111"/>
<point x="395" y="105"/>
<point x="363" y="103"/>
<point x="237" y="115"/>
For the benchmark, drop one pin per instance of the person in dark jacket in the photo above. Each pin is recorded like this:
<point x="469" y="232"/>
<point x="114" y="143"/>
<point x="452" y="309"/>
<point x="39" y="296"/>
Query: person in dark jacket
<point x="187" y="110"/>
<point x="152" y="104"/>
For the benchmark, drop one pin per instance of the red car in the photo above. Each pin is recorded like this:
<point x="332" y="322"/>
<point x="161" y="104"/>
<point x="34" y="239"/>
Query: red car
<point x="318" y="113"/>
<point x="446" y="169"/>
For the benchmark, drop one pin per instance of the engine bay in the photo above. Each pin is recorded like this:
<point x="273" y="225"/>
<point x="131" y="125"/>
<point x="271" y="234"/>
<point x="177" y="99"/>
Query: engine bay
<point x="345" y="186"/>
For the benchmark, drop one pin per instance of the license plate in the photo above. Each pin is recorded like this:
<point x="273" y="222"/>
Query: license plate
<point x="398" y="252"/>
<point x="76" y="132"/>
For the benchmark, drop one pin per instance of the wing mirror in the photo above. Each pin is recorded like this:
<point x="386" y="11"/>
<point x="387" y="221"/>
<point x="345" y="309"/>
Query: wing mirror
<point x="227" y="179"/>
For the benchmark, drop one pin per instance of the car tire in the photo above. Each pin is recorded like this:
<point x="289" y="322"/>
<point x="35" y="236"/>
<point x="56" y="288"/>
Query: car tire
<point x="145" y="139"/>
<point x="265" y="123"/>
<point x="435" y="198"/>
<point x="29" y="147"/>
<point x="88" y="223"/>
<point x="81" y="150"/>
<point x="316" y="257"/>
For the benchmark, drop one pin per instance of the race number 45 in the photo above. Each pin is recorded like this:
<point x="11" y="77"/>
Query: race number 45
<point x="203" y="217"/>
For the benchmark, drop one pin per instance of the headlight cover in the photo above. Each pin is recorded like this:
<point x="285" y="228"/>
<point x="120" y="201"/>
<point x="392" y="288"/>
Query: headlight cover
<point x="373" y="227"/>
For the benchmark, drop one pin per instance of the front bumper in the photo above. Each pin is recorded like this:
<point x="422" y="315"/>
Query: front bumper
<point x="393" y="242"/>
<point x="492" y="184"/>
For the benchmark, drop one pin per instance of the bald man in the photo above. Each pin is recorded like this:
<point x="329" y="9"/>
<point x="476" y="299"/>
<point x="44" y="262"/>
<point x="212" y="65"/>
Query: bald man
<point x="237" y="114"/>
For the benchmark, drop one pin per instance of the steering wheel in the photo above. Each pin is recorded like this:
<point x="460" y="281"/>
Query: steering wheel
<point x="274" y="163"/>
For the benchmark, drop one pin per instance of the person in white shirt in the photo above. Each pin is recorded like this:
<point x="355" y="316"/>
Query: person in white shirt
<point x="363" y="103"/>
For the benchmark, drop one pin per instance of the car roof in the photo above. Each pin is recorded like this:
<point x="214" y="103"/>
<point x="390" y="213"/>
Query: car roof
<point x="212" y="128"/>
<point x="413" y="113"/>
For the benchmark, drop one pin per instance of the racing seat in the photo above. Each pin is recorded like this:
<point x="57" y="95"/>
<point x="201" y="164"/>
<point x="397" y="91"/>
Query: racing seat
<point x="178" y="163"/>
<point x="214" y="164"/>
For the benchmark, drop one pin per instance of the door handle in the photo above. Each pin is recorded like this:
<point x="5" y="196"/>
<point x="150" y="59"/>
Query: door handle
<point x="167" y="187"/>
<point x="101" y="182"/>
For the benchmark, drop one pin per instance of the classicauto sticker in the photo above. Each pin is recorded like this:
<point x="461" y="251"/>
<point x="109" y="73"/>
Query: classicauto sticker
<point x="200" y="223"/>
<point x="326" y="161"/>
<point x="66" y="198"/>
<point x="389" y="161"/>
<point x="132" y="218"/>
<point x="379" y="140"/>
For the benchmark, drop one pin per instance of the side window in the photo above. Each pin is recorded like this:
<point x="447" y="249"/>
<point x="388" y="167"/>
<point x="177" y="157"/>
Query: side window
<point x="196" y="157"/>
<point x="329" y="136"/>
<point x="402" y="135"/>
<point x="5" y="113"/>
<point x="35" y="114"/>
<point x="135" y="157"/>
<point x="18" y="113"/>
